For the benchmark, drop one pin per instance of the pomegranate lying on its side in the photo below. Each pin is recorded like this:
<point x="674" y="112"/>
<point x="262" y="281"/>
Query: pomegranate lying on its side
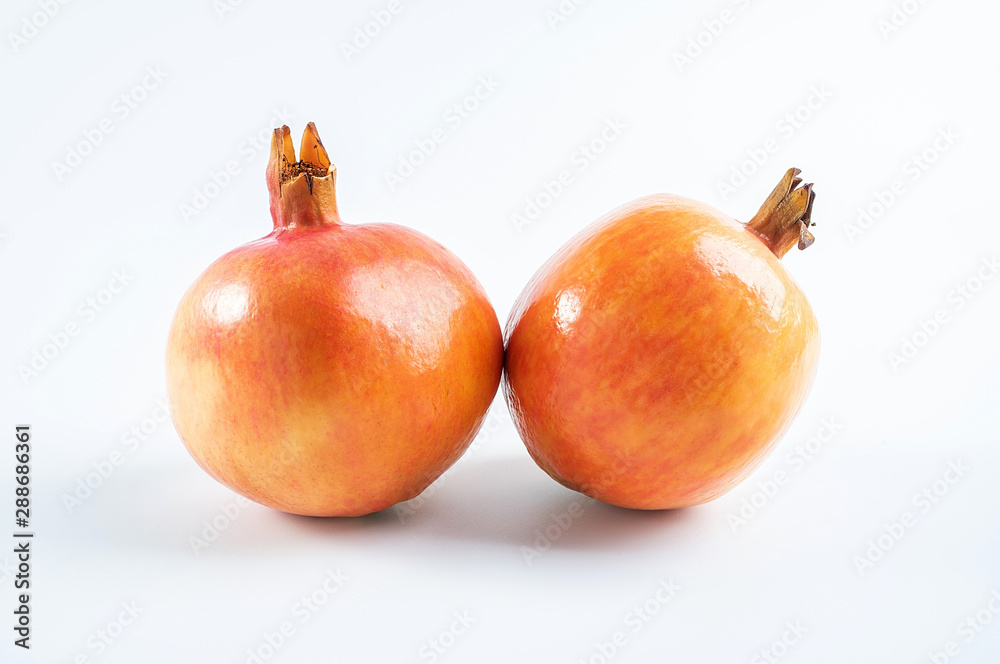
<point x="656" y="359"/>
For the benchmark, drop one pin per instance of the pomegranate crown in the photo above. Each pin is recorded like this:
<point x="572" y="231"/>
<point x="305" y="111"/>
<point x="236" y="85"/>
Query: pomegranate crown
<point x="784" y="219"/>
<point x="303" y="190"/>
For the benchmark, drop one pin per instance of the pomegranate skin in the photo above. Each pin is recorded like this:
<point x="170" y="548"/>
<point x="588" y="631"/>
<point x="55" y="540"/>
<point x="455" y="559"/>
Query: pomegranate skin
<point x="333" y="371"/>
<point x="657" y="358"/>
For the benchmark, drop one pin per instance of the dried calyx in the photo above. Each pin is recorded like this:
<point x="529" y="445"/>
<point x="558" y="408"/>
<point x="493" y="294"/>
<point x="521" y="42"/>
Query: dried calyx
<point x="302" y="190"/>
<point x="784" y="219"/>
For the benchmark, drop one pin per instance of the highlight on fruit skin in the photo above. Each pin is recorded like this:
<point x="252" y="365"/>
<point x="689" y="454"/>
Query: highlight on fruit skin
<point x="330" y="369"/>
<point x="658" y="357"/>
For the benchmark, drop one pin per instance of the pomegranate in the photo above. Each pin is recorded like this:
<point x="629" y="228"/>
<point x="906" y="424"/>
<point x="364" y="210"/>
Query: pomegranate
<point x="656" y="359"/>
<point x="330" y="369"/>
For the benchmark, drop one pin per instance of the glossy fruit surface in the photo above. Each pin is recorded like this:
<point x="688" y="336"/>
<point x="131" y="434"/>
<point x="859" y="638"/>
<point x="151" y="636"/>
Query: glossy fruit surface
<point x="327" y="368"/>
<point x="657" y="358"/>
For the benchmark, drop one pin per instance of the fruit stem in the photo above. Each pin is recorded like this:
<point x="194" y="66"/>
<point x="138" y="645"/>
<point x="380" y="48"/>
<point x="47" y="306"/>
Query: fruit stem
<point x="785" y="217"/>
<point x="303" y="191"/>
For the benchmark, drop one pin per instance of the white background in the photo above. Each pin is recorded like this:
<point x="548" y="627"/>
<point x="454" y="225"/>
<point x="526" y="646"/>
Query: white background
<point x="474" y="542"/>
